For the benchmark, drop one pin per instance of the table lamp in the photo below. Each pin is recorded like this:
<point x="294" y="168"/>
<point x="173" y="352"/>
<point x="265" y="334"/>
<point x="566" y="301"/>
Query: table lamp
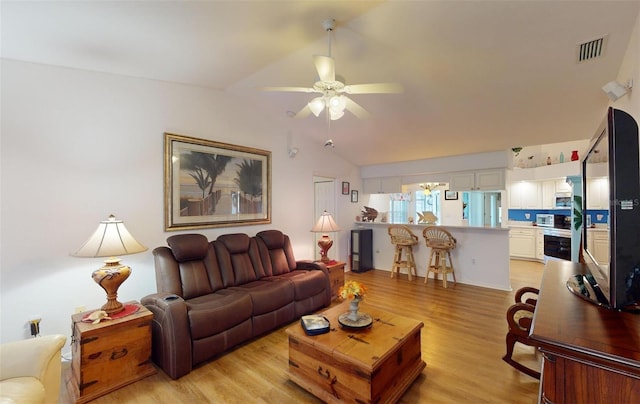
<point x="110" y="239"/>
<point x="325" y="225"/>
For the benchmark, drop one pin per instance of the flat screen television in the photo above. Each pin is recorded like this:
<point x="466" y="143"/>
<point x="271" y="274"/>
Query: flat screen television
<point x="611" y="161"/>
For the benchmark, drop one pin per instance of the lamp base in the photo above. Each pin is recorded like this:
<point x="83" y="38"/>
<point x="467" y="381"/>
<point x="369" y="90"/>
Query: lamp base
<point x="110" y="277"/>
<point x="324" y="243"/>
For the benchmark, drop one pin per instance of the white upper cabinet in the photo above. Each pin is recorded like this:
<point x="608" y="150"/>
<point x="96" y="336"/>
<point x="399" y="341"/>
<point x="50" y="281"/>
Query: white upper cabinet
<point x="549" y="190"/>
<point x="598" y="194"/>
<point x="524" y="195"/>
<point x="485" y="180"/>
<point x="385" y="185"/>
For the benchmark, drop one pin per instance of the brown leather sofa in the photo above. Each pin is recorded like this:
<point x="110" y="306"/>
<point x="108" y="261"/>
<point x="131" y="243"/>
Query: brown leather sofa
<point x="215" y="295"/>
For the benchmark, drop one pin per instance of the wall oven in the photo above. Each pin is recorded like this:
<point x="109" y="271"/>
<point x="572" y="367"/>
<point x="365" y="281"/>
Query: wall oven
<point x="557" y="244"/>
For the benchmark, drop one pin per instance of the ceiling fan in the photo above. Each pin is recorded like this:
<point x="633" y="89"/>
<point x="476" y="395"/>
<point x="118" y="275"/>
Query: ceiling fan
<point x="333" y="90"/>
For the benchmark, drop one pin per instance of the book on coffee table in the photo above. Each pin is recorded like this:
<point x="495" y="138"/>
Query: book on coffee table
<point x="314" y="324"/>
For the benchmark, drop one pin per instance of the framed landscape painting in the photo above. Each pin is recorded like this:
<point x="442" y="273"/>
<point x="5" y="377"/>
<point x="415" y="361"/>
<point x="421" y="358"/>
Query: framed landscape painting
<point x="214" y="184"/>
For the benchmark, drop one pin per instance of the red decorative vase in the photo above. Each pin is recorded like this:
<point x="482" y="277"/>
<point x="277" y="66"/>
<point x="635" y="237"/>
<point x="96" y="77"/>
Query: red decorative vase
<point x="574" y="155"/>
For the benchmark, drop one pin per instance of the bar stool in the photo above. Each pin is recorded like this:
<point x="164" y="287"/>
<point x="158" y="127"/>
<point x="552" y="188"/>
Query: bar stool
<point x="404" y="240"/>
<point x="441" y="243"/>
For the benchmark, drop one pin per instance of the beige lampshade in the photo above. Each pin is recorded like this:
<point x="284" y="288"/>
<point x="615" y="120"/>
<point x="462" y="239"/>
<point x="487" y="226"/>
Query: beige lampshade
<point x="325" y="224"/>
<point x="110" y="239"/>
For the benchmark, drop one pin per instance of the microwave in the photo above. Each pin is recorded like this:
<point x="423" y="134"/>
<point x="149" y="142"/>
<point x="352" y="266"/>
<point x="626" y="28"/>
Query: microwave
<point x="563" y="200"/>
<point x="544" y="220"/>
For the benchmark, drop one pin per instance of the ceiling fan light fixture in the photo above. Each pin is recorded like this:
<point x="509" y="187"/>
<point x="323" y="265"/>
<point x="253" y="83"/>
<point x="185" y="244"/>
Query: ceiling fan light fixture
<point x="337" y="103"/>
<point x="335" y="114"/>
<point x="316" y="105"/>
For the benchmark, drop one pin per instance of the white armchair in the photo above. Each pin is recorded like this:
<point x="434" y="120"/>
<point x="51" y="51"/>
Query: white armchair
<point x="31" y="370"/>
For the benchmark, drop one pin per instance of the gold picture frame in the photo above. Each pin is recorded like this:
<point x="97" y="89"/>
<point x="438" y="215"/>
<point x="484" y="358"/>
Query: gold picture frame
<point x="213" y="184"/>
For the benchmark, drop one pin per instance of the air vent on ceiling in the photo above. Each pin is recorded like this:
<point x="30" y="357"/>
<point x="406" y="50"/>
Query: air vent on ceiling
<point x="591" y="49"/>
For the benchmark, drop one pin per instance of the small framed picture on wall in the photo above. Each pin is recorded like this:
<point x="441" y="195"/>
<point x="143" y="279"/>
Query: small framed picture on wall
<point x="345" y="188"/>
<point x="451" y="195"/>
<point x="354" y="196"/>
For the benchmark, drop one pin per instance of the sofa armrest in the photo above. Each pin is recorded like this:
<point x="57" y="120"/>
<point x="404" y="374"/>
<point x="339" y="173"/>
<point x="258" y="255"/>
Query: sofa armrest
<point x="171" y="335"/>
<point x="35" y="357"/>
<point x="319" y="266"/>
<point x="308" y="264"/>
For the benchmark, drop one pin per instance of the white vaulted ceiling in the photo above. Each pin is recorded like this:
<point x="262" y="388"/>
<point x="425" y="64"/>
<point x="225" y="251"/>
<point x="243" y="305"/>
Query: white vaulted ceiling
<point x="478" y="75"/>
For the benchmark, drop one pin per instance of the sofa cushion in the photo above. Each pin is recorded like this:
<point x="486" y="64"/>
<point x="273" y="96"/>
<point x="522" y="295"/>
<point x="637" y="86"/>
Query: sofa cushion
<point x="276" y="252"/>
<point x="238" y="259"/>
<point x="188" y="247"/>
<point x="188" y="268"/>
<point x="268" y="295"/>
<point x="217" y="312"/>
<point x="306" y="283"/>
<point x="22" y="390"/>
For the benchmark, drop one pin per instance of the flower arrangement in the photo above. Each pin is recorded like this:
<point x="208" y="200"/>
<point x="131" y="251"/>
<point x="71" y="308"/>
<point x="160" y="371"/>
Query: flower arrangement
<point x="352" y="290"/>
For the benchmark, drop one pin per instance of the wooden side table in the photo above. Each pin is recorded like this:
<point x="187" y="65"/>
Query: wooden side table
<point x="110" y="354"/>
<point x="336" y="277"/>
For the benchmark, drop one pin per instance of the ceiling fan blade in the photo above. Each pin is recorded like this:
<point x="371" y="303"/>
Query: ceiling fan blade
<point x="326" y="68"/>
<point x="304" y="112"/>
<point x="289" y="89"/>
<point x="356" y="109"/>
<point x="374" y="88"/>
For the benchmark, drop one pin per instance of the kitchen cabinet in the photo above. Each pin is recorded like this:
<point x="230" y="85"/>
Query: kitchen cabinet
<point x="540" y="245"/>
<point x="548" y="194"/>
<point x="522" y="242"/>
<point x="524" y="195"/>
<point x="598" y="194"/>
<point x="549" y="190"/>
<point x="598" y="245"/>
<point x="385" y="185"/>
<point x="484" y="180"/>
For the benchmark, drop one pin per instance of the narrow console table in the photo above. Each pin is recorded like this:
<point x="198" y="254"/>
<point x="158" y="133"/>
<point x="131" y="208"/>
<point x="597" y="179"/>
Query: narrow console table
<point x="590" y="354"/>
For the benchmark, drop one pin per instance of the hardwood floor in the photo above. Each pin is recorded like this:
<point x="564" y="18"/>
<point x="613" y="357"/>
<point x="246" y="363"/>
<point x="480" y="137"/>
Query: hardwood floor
<point x="462" y="344"/>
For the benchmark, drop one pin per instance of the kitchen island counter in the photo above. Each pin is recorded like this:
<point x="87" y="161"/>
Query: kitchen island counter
<point x="481" y="257"/>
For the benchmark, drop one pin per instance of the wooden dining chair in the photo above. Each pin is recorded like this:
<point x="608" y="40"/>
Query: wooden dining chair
<point x="519" y="319"/>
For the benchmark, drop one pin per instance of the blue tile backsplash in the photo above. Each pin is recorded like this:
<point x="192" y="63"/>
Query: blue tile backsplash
<point x="520" y="214"/>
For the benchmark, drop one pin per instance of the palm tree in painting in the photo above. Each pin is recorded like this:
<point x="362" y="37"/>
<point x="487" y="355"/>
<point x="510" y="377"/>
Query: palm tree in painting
<point x="197" y="164"/>
<point x="203" y="180"/>
<point x="249" y="180"/>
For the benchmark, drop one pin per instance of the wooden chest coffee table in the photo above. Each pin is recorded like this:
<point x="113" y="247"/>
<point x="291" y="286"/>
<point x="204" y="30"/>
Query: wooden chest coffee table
<point x="372" y="365"/>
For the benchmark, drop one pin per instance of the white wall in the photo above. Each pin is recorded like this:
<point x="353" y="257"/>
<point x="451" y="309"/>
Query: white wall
<point x="419" y="170"/>
<point x="630" y="69"/>
<point x="76" y="146"/>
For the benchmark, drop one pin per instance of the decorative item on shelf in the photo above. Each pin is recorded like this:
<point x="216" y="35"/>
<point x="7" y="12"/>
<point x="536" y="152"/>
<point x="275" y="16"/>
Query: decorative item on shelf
<point x="384" y="217"/>
<point x="561" y="157"/>
<point x="427" y="217"/>
<point x="548" y="160"/>
<point x="369" y="214"/>
<point x="325" y="225"/>
<point x="110" y="239"/>
<point x="354" y="318"/>
<point x="574" y="155"/>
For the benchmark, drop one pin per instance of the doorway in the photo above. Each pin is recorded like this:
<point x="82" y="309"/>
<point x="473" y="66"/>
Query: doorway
<point x="324" y="199"/>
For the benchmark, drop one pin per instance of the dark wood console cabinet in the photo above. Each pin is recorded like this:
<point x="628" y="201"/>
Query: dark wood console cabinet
<point x="590" y="354"/>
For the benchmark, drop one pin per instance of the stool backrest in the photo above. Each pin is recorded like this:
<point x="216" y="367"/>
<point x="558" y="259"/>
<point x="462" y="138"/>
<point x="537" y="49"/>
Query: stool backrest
<point x="401" y="234"/>
<point x="438" y="237"/>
